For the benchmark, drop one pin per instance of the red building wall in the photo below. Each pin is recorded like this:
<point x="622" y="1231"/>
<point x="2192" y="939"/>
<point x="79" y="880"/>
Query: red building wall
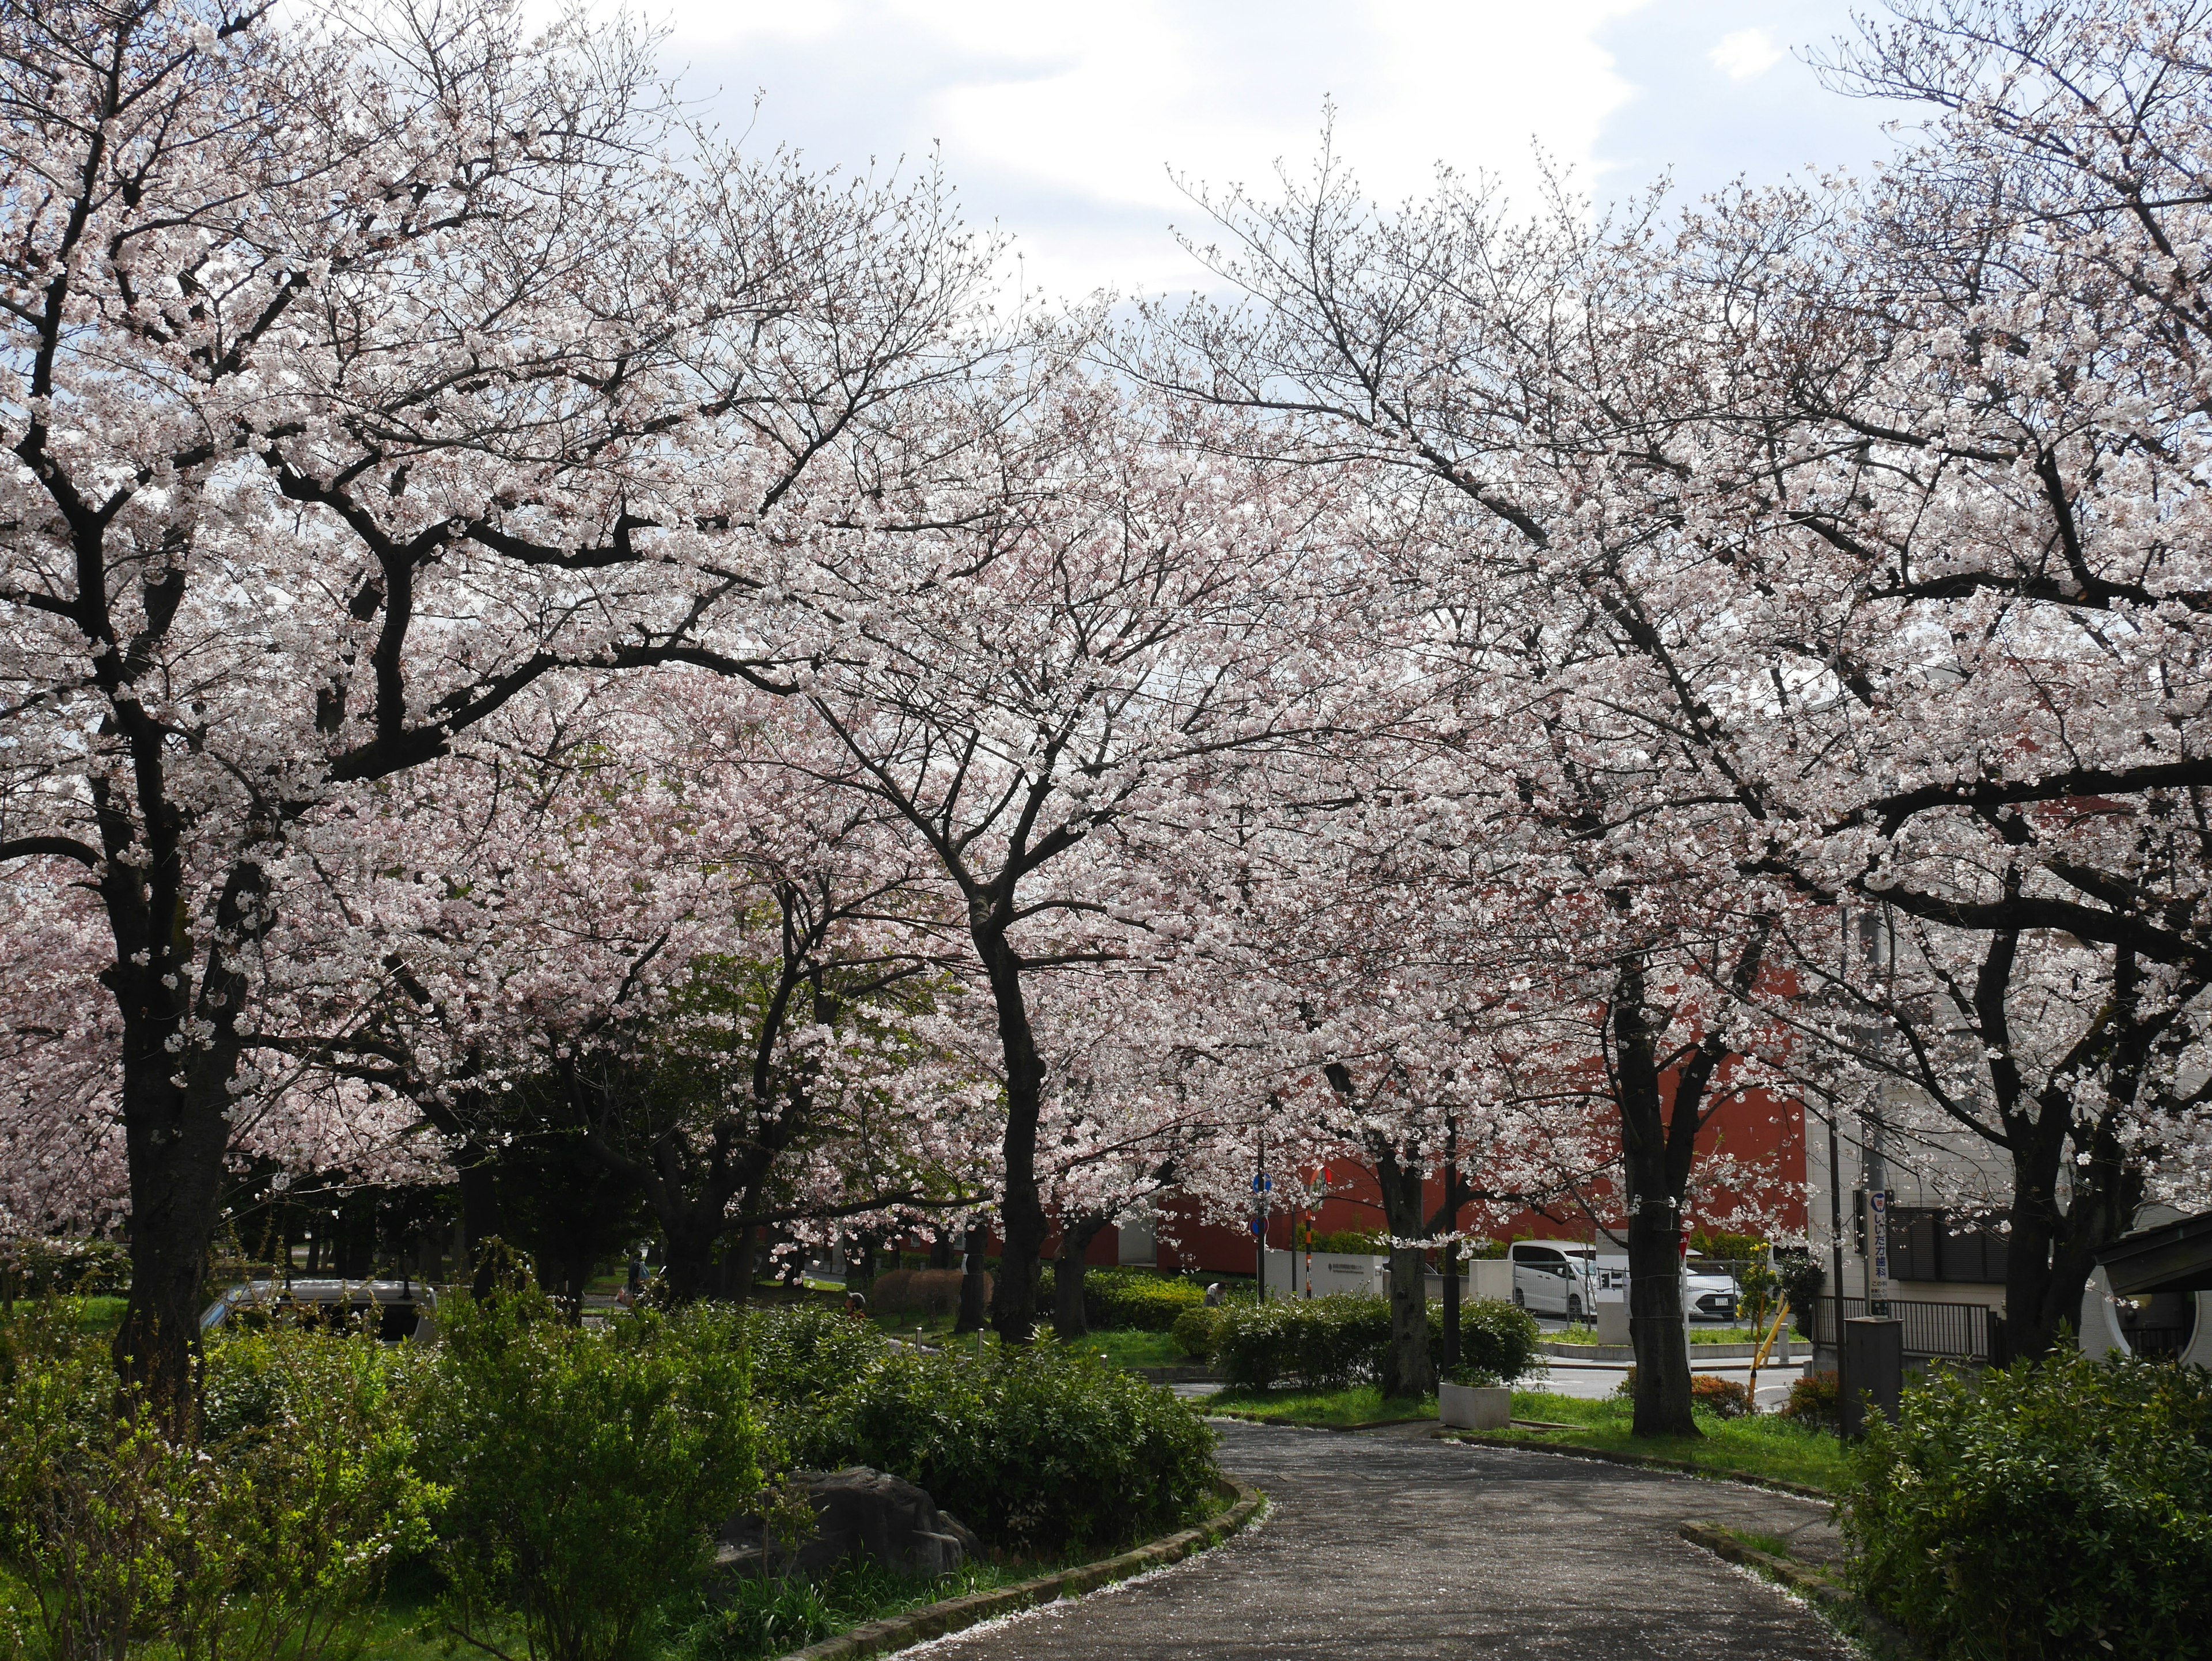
<point x="1760" y="1132"/>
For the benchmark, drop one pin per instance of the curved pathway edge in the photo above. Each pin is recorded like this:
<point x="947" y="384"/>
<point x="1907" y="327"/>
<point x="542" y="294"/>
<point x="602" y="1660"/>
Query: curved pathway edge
<point x="958" y="1614"/>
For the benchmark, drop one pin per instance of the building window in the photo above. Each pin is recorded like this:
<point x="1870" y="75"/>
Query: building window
<point x="1927" y="1243"/>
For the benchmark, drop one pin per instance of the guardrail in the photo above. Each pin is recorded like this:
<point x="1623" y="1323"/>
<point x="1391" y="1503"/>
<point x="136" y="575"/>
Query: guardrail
<point x="1967" y="1332"/>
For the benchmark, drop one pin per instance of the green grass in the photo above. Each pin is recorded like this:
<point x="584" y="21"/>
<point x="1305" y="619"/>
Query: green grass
<point x="101" y="1314"/>
<point x="1122" y="1348"/>
<point x="1762" y="1446"/>
<point x="1363" y="1405"/>
<point x="1118" y="1347"/>
<point x="1699" y="1335"/>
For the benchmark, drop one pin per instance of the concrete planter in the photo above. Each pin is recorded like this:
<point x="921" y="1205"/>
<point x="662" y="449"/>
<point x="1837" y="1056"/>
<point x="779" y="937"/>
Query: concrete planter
<point x="1472" y="1407"/>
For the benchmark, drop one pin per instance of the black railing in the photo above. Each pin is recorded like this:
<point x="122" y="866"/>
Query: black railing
<point x="1962" y="1330"/>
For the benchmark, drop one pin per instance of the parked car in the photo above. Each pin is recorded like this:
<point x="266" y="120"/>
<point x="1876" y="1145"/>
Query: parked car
<point x="1565" y="1277"/>
<point x="1562" y="1277"/>
<point x="1710" y="1294"/>
<point x="399" y="1309"/>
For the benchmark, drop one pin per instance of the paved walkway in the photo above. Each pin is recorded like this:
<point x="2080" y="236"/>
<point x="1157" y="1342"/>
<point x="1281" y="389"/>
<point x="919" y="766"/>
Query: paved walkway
<point x="1388" y="1545"/>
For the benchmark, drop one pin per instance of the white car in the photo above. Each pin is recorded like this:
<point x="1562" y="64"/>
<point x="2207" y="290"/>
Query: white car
<point x="1560" y="1277"/>
<point x="1565" y="1277"/>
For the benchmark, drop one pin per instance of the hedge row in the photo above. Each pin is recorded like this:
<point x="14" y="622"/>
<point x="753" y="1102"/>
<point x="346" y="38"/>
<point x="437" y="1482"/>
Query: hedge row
<point x="1128" y="1299"/>
<point x="1332" y="1342"/>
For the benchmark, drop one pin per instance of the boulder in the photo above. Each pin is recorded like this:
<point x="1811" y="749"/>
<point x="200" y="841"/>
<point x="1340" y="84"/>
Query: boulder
<point x="858" y="1513"/>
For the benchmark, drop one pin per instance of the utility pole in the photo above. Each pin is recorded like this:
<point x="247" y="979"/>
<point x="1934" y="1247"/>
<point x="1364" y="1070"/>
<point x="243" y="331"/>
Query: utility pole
<point x="1260" y="1187"/>
<point x="1836" y="1259"/>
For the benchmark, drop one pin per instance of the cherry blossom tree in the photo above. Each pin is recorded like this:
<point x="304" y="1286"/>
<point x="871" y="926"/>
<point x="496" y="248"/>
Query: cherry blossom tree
<point x="359" y="374"/>
<point x="1132" y="604"/>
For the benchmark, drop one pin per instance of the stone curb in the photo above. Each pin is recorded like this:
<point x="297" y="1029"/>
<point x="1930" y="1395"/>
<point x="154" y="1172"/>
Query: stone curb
<point x="1310" y="1424"/>
<point x="958" y="1613"/>
<point x="1808" y="1582"/>
<point x="1642" y="1461"/>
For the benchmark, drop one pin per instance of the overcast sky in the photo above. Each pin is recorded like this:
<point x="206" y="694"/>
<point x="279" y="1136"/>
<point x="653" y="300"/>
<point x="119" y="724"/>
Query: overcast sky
<point x="1062" y="120"/>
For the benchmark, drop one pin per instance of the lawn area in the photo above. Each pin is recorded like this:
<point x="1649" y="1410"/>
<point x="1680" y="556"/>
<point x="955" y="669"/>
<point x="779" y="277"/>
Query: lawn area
<point x="1116" y="1349"/>
<point x="1762" y="1446"/>
<point x="1130" y="1348"/>
<point x="1362" y="1406"/>
<point x="99" y="1314"/>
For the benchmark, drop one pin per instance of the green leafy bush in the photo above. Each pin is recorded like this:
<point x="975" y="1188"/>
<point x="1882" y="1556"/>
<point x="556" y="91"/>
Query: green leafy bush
<point x="1801" y="1278"/>
<point x="1324" y="1343"/>
<point x="266" y="1539"/>
<point x="2054" y="1509"/>
<point x="1815" y="1400"/>
<point x="1495" y="1335"/>
<point x="589" y="1470"/>
<point x="1194" y="1330"/>
<point x="1332" y="1342"/>
<point x="1353" y="1242"/>
<point x="1128" y="1299"/>
<point x="1039" y="1449"/>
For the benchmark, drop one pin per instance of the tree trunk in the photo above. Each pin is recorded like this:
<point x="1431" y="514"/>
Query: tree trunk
<point x="1069" y="1321"/>
<point x="1655" y="1321"/>
<point x="1656" y="1154"/>
<point x="175" y="1140"/>
<point x="1407" y="1369"/>
<point x="737" y="1256"/>
<point x="1022" y="1222"/>
<point x="689" y="1244"/>
<point x="480" y="1220"/>
<point x="972" y="1313"/>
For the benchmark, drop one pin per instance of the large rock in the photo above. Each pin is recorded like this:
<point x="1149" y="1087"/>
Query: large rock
<point x="858" y="1513"/>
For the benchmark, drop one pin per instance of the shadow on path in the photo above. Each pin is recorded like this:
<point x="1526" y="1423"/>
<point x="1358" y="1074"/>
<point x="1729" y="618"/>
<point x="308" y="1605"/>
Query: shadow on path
<point x="1383" y="1547"/>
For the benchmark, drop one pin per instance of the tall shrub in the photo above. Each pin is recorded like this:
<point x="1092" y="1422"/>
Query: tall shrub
<point x="2061" y="1508"/>
<point x="1495" y="1335"/>
<point x="265" y="1539"/>
<point x="589" y="1469"/>
<point x="1039" y="1449"/>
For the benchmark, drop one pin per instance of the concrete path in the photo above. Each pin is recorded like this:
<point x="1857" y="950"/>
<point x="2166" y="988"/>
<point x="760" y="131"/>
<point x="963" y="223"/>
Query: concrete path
<point x="1385" y="1546"/>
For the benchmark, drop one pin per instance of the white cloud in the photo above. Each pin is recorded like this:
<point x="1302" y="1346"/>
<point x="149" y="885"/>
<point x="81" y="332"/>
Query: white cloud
<point x="1066" y="121"/>
<point x="1746" y="54"/>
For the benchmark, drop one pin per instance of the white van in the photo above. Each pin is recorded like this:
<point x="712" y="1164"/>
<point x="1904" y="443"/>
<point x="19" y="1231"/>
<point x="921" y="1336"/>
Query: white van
<point x="1561" y="1277"/>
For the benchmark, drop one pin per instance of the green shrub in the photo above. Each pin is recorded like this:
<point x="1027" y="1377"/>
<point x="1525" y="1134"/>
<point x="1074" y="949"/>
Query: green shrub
<point x="1801" y="1278"/>
<point x="266" y="1539"/>
<point x="589" y="1470"/>
<point x="1332" y="1342"/>
<point x="1039" y="1449"/>
<point x="2055" y="1509"/>
<point x="1353" y="1242"/>
<point x="1194" y="1330"/>
<point x="1495" y="1335"/>
<point x="1815" y="1400"/>
<point x="1324" y="1343"/>
<point x="1127" y="1300"/>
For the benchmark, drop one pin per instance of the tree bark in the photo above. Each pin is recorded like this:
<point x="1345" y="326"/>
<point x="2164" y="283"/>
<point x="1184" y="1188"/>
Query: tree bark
<point x="1656" y="1154"/>
<point x="738" y="1258"/>
<point x="1407" y="1369"/>
<point x="175" y="1140"/>
<point x="1069" y="1321"/>
<point x="1022" y="1222"/>
<point x="972" y="1312"/>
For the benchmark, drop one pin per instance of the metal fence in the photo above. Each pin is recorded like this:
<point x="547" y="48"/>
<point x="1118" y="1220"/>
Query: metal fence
<point x="1969" y="1332"/>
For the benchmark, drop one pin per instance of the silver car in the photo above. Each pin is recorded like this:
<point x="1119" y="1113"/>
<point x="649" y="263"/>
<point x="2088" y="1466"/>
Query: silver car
<point x="399" y="1309"/>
